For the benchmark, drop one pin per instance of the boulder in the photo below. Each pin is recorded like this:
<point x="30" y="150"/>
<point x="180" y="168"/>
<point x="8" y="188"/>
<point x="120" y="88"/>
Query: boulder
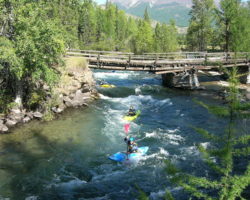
<point x="72" y="95"/>
<point x="80" y="98"/>
<point x="46" y="87"/>
<point x="67" y="101"/>
<point x="30" y="115"/>
<point x="3" y="128"/>
<point x="85" y="89"/>
<point x="10" y="122"/>
<point x="57" y="109"/>
<point x="26" y="119"/>
<point x="71" y="74"/>
<point x="16" y="111"/>
<point x="38" y="115"/>
<point x="71" y="89"/>
<point x="76" y="84"/>
<point x="16" y="115"/>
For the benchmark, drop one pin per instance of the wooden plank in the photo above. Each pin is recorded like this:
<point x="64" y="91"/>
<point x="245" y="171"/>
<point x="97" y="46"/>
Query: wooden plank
<point x="120" y="68"/>
<point x="181" y="69"/>
<point x="101" y="52"/>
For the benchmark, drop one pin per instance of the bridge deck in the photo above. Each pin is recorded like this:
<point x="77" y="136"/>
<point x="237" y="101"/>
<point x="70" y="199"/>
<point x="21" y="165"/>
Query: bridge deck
<point x="161" y="63"/>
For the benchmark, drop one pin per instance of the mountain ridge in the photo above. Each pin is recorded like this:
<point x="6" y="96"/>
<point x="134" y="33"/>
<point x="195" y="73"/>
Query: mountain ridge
<point x="133" y="3"/>
<point x="159" y="10"/>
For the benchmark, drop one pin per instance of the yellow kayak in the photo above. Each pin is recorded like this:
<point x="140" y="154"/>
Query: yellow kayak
<point x="107" y="86"/>
<point x="131" y="118"/>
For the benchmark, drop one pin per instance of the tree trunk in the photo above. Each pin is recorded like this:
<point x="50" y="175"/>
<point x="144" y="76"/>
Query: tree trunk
<point x="227" y="37"/>
<point x="19" y="93"/>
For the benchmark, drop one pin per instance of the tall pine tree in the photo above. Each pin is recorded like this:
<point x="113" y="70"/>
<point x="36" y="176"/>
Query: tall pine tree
<point x="200" y="25"/>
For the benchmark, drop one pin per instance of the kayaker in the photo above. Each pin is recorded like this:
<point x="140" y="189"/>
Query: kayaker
<point x="102" y="82"/>
<point x="132" y="111"/>
<point x="131" y="145"/>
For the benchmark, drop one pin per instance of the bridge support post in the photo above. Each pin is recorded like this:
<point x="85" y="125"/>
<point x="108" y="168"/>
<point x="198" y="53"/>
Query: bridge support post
<point x="189" y="80"/>
<point x="248" y="75"/>
<point x="168" y="80"/>
<point x="196" y="80"/>
<point x="193" y="79"/>
<point x="245" y="79"/>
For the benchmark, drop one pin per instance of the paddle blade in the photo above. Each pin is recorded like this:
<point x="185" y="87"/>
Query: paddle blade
<point x="126" y="128"/>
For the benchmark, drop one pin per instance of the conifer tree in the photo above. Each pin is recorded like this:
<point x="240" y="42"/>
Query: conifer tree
<point x="200" y="24"/>
<point x="144" y="37"/>
<point x="131" y="31"/>
<point x="87" y="24"/>
<point x="158" y="38"/>
<point x="146" y="16"/>
<point x="165" y="38"/>
<point x="227" y="16"/>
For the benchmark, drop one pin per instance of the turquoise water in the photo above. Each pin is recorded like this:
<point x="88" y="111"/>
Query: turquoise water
<point x="67" y="158"/>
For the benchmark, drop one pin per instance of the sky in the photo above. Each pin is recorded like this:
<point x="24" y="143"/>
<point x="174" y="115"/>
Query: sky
<point x="100" y="1"/>
<point x="103" y="1"/>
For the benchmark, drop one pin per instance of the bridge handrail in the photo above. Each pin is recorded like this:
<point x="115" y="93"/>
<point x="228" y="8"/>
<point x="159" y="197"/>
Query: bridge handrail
<point x="100" y="52"/>
<point x="161" y="57"/>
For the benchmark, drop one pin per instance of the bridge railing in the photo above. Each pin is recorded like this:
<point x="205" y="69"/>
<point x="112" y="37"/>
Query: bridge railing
<point x="126" y="56"/>
<point x="177" y="55"/>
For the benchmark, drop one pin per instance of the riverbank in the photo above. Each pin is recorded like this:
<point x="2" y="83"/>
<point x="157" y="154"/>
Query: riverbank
<point x="75" y="88"/>
<point x="219" y="88"/>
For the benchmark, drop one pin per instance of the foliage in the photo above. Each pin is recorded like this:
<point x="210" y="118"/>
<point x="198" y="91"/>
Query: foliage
<point x="165" y="38"/>
<point x="48" y="114"/>
<point x="221" y="28"/>
<point x="36" y="99"/>
<point x="31" y="47"/>
<point x="40" y="29"/>
<point x="232" y="23"/>
<point x="200" y="24"/>
<point x="226" y="152"/>
<point x="144" y="38"/>
<point x="111" y="29"/>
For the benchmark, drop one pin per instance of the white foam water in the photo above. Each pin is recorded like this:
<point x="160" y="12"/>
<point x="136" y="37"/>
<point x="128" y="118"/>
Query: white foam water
<point x="29" y="198"/>
<point x="166" y="136"/>
<point x="138" y="91"/>
<point x="116" y="75"/>
<point x="104" y="97"/>
<point x="162" y="154"/>
<point x="140" y="100"/>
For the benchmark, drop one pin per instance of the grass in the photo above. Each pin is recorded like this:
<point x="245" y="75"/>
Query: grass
<point x="76" y="64"/>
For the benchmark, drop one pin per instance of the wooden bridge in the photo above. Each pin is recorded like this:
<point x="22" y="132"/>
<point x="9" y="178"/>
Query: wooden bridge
<point x="169" y="65"/>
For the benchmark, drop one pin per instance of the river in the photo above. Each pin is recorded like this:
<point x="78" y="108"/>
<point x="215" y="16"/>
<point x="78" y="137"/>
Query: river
<point x="68" y="158"/>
